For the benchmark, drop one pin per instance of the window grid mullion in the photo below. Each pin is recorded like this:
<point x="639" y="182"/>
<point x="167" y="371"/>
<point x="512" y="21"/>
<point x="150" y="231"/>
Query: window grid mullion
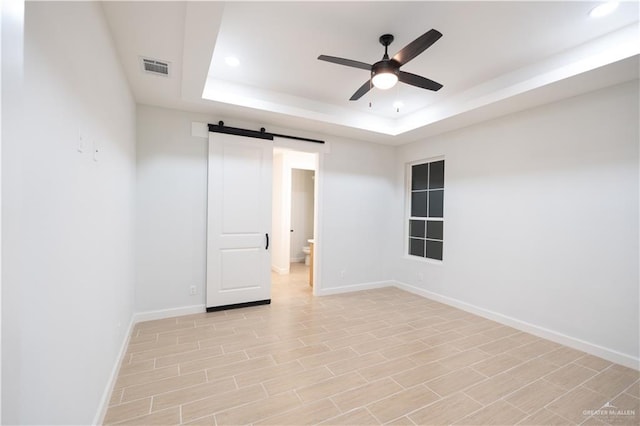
<point x="419" y="245"/>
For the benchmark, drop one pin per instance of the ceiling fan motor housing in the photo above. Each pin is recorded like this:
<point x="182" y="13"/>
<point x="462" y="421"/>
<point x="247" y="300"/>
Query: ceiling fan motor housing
<point x="385" y="67"/>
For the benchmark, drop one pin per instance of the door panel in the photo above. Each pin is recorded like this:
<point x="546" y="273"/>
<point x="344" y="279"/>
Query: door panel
<point x="239" y="219"/>
<point x="242" y="186"/>
<point x="235" y="276"/>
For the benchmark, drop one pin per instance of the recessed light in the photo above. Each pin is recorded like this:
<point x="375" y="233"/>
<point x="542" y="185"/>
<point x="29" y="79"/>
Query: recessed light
<point x="603" y="9"/>
<point x="232" y="61"/>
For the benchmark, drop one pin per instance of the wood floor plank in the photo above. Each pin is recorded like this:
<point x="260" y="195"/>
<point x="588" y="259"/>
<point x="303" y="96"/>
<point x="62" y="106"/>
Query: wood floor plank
<point x="380" y="356"/>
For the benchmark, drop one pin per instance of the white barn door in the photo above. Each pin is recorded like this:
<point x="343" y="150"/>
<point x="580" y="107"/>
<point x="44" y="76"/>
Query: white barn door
<point x="239" y="221"/>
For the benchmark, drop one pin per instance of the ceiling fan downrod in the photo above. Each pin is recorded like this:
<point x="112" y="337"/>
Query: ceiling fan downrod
<point x="386" y="40"/>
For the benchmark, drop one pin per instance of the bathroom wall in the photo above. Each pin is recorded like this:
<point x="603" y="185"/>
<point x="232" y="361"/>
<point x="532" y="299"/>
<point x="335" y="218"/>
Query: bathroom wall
<point x="301" y="212"/>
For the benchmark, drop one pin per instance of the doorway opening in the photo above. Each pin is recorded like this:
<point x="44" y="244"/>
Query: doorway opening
<point x="294" y="224"/>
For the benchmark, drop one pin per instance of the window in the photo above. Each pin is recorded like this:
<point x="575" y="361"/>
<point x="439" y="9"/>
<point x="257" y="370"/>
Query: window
<point x="426" y="221"/>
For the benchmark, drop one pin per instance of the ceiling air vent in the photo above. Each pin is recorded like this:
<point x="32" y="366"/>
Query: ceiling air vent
<point x="155" y="66"/>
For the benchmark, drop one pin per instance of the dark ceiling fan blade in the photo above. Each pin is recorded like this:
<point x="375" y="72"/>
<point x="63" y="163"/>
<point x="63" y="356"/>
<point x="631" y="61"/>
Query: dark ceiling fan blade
<point x="361" y="91"/>
<point x="418" y="81"/>
<point x="417" y="46"/>
<point x="347" y="62"/>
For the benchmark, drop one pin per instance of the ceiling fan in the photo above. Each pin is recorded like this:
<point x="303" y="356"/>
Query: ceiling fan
<point x="386" y="72"/>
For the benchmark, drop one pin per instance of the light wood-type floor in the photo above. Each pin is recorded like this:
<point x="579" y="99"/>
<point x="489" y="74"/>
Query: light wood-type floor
<point x="372" y="357"/>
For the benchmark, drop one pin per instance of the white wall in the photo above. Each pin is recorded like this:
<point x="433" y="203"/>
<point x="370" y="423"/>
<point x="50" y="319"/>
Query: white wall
<point x="171" y="209"/>
<point x="11" y="59"/>
<point x="67" y="220"/>
<point x="541" y="219"/>
<point x="355" y="241"/>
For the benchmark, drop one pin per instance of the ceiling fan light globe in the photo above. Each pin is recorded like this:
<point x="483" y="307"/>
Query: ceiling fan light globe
<point x="384" y="74"/>
<point x="385" y="80"/>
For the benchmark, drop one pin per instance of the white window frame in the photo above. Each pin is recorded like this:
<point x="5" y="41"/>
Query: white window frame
<point x="407" y="211"/>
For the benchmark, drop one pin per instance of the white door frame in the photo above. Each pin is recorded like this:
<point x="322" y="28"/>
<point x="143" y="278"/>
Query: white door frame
<point x="281" y="224"/>
<point x="320" y="150"/>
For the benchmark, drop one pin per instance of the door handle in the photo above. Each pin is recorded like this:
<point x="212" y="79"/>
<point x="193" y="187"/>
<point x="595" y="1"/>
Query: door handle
<point x="267" y="246"/>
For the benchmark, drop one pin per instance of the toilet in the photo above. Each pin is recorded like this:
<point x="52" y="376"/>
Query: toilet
<point x="307" y="252"/>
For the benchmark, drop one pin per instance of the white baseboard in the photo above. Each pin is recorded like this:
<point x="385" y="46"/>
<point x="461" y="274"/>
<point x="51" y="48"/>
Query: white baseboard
<point x="136" y="318"/>
<point x="281" y="271"/>
<point x="296" y="260"/>
<point x="353" y="287"/>
<point x="168" y="313"/>
<point x="554" y="336"/>
<point x="106" y="395"/>
<point x="581" y="345"/>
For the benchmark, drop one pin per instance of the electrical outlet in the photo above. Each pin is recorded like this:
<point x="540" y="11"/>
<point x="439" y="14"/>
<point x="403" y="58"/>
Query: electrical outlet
<point x="192" y="290"/>
<point x="343" y="273"/>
